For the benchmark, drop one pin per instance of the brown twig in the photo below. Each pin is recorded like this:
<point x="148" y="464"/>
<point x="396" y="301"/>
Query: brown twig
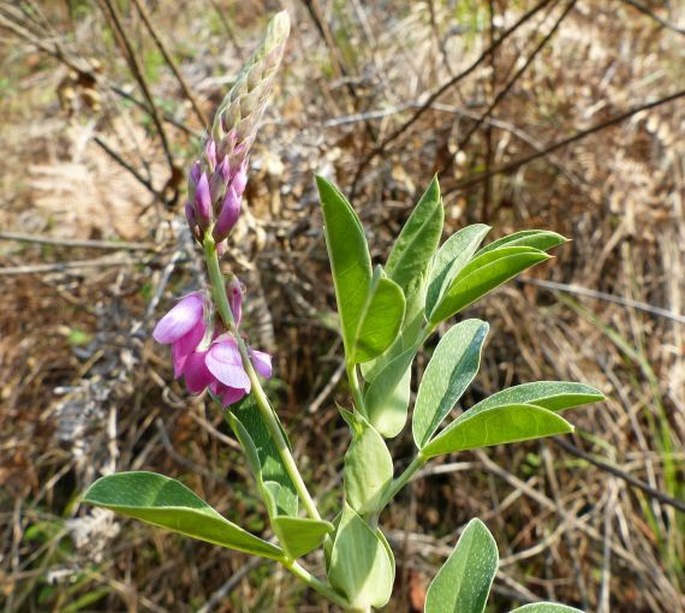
<point x="591" y="293"/>
<point x="74" y="265"/>
<point x="126" y="166"/>
<point x="73" y="242"/>
<point x="479" y="178"/>
<point x="171" y="62"/>
<point x="110" y="9"/>
<point x="634" y="481"/>
<point x="489" y="153"/>
<point x="662" y="22"/>
<point x="227" y="26"/>
<point x="441" y="90"/>
<point x="167" y="117"/>
<point x="519" y="73"/>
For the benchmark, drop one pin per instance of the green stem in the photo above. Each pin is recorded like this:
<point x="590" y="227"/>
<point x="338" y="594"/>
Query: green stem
<point x="324" y="589"/>
<point x="354" y="384"/>
<point x="397" y="484"/>
<point x="221" y="302"/>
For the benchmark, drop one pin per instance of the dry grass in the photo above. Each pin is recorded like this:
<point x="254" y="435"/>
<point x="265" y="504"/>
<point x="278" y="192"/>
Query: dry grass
<point x="83" y="389"/>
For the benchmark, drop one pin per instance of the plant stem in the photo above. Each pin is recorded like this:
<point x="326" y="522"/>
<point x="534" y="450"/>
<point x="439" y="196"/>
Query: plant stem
<point x="221" y="302"/>
<point x="353" y="380"/>
<point x="316" y="584"/>
<point x="397" y="484"/>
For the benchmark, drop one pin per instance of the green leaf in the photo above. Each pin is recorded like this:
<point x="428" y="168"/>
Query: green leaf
<point x="484" y="427"/>
<point x="368" y="468"/>
<point x="451" y="369"/>
<point x="418" y="240"/>
<point x="450" y="260"/>
<point x="300" y="535"/>
<point x="483" y="274"/>
<point x="349" y="257"/>
<point x="552" y="395"/>
<point x="269" y="465"/>
<point x="463" y="583"/>
<point x="380" y="319"/>
<point x="386" y="399"/>
<point x="166" y="503"/>
<point x="538" y="239"/>
<point x="545" y="607"/>
<point x="360" y="566"/>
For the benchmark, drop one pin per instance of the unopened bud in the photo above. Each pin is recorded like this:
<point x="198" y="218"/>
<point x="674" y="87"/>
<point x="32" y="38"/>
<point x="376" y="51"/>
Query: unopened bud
<point x="218" y="184"/>
<point x="239" y="181"/>
<point x="203" y="202"/>
<point x="228" y="215"/>
<point x="235" y="291"/>
<point x="242" y="108"/>
<point x="210" y="154"/>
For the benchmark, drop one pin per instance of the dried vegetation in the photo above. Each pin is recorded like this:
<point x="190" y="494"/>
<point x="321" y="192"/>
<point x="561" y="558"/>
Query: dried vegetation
<point x="561" y="115"/>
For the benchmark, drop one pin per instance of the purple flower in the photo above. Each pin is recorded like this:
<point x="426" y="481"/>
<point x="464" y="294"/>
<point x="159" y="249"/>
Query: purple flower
<point x="183" y="327"/>
<point x="196" y="373"/>
<point x="180" y="320"/>
<point x="224" y="362"/>
<point x="218" y="367"/>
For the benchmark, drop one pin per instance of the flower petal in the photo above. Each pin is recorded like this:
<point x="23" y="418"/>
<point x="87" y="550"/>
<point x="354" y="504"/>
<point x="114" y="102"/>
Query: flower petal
<point x="180" y="320"/>
<point x="261" y="362"/>
<point x="196" y="373"/>
<point x="224" y="362"/>
<point x="229" y="395"/>
<point x="186" y="345"/>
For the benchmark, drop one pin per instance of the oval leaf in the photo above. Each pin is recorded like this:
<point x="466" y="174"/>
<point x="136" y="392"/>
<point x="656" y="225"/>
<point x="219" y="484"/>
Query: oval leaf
<point x="167" y="503"/>
<point x="368" y="469"/>
<point x="463" y="583"/>
<point x="349" y="257"/>
<point x="451" y="369"/>
<point x="496" y="426"/>
<point x="379" y="321"/>
<point x="552" y="395"/>
<point x="546" y="607"/>
<point x="538" y="239"/>
<point x="454" y="254"/>
<point x="483" y="274"/>
<point x="386" y="399"/>
<point x="361" y="566"/>
<point x="418" y="240"/>
<point x="300" y="535"/>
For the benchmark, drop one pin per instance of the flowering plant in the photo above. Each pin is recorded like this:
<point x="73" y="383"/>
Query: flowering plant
<point x="386" y="314"/>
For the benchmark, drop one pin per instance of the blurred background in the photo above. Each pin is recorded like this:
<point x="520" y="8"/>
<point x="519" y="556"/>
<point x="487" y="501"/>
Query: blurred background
<point x="558" y="114"/>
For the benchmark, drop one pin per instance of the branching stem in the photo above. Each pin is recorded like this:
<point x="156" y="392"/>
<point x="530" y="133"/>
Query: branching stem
<point x="316" y="584"/>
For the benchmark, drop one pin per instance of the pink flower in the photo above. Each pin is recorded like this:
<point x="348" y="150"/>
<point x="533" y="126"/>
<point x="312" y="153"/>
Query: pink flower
<point x="183" y="327"/>
<point x="196" y="373"/>
<point x="218" y="367"/>
<point x="224" y="362"/>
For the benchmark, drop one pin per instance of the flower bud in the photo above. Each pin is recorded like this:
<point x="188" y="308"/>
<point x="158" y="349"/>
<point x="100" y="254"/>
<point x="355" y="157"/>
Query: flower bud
<point x="228" y="215"/>
<point x="242" y="108"/>
<point x="203" y="202"/>
<point x="235" y="293"/>
<point x="240" y="179"/>
<point x="210" y="154"/>
<point x="217" y="182"/>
